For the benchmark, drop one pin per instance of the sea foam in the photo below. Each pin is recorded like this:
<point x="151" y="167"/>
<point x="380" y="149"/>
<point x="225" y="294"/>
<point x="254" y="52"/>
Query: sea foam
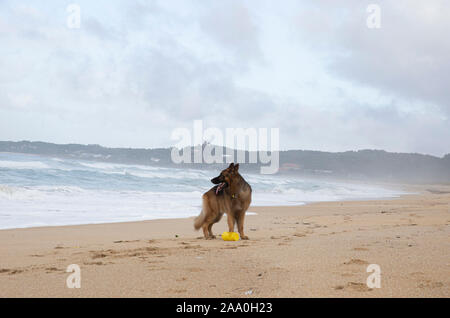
<point x="41" y="191"/>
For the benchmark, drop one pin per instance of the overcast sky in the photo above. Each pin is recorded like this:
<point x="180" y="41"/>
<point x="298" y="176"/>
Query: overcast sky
<point x="136" y="70"/>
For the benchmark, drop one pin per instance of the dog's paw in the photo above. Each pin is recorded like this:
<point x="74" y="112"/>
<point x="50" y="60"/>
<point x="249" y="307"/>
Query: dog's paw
<point x="245" y="237"/>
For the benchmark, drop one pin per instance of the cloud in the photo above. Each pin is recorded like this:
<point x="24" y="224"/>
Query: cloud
<point x="135" y="71"/>
<point x="231" y="26"/>
<point x="406" y="58"/>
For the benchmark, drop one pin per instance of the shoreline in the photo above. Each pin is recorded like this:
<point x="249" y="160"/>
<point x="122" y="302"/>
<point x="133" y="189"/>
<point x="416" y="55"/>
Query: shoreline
<point x="319" y="249"/>
<point x="401" y="188"/>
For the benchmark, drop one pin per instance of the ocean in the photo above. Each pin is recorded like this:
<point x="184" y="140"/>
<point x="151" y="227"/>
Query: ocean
<point x="45" y="191"/>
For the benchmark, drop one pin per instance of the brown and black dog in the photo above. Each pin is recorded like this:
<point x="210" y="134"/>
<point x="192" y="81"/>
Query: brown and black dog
<point x="232" y="195"/>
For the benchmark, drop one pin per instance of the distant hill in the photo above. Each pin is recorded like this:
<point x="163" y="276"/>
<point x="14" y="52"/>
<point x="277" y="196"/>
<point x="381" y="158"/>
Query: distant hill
<point x="377" y="165"/>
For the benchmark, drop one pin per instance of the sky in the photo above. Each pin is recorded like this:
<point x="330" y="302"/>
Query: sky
<point x="134" y="71"/>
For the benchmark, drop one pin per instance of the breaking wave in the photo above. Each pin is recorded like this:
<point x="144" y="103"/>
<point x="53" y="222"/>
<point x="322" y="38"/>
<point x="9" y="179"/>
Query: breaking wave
<point x="41" y="191"/>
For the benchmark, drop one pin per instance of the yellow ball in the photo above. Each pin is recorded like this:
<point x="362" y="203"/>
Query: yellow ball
<point x="230" y="236"/>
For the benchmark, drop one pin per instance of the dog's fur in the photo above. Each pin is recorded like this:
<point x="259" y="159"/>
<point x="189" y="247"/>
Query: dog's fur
<point x="232" y="196"/>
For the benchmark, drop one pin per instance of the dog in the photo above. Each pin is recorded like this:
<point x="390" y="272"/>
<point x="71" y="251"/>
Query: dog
<point x="231" y="195"/>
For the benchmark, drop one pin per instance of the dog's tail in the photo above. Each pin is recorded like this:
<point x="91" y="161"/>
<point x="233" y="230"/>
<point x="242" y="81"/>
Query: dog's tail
<point x="199" y="220"/>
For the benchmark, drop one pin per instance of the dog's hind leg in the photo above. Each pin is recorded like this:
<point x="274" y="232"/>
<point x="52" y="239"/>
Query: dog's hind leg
<point x="211" y="235"/>
<point x="216" y="220"/>
<point x="240" y="224"/>
<point x="205" y="230"/>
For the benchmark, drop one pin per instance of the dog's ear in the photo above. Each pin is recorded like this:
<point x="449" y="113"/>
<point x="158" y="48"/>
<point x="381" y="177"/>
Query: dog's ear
<point x="231" y="166"/>
<point x="236" y="167"/>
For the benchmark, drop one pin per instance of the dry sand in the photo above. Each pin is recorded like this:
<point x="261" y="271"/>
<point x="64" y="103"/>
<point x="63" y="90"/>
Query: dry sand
<point x="316" y="250"/>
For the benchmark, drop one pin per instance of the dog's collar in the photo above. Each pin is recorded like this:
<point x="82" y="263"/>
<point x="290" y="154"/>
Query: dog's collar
<point x="234" y="196"/>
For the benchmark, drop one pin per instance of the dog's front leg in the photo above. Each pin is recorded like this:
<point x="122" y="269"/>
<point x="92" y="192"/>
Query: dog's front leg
<point x="231" y="221"/>
<point x="240" y="224"/>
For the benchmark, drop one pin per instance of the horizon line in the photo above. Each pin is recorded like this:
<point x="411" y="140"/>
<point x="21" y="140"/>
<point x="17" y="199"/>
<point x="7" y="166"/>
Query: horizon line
<point x="234" y="149"/>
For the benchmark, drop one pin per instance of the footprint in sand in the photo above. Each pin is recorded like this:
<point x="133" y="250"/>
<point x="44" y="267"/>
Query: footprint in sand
<point x="426" y="283"/>
<point x="137" y="252"/>
<point x="360" y="287"/>
<point x="94" y="263"/>
<point x="98" y="255"/>
<point x="360" y="249"/>
<point x="302" y="233"/>
<point x="11" y="271"/>
<point x="187" y="246"/>
<point x="356" y="261"/>
<point x="133" y="241"/>
<point x="280" y="237"/>
<point x="52" y="269"/>
<point x="229" y="248"/>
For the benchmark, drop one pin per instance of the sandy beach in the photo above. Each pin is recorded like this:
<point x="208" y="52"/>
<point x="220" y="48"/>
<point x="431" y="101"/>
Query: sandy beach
<point x="315" y="250"/>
